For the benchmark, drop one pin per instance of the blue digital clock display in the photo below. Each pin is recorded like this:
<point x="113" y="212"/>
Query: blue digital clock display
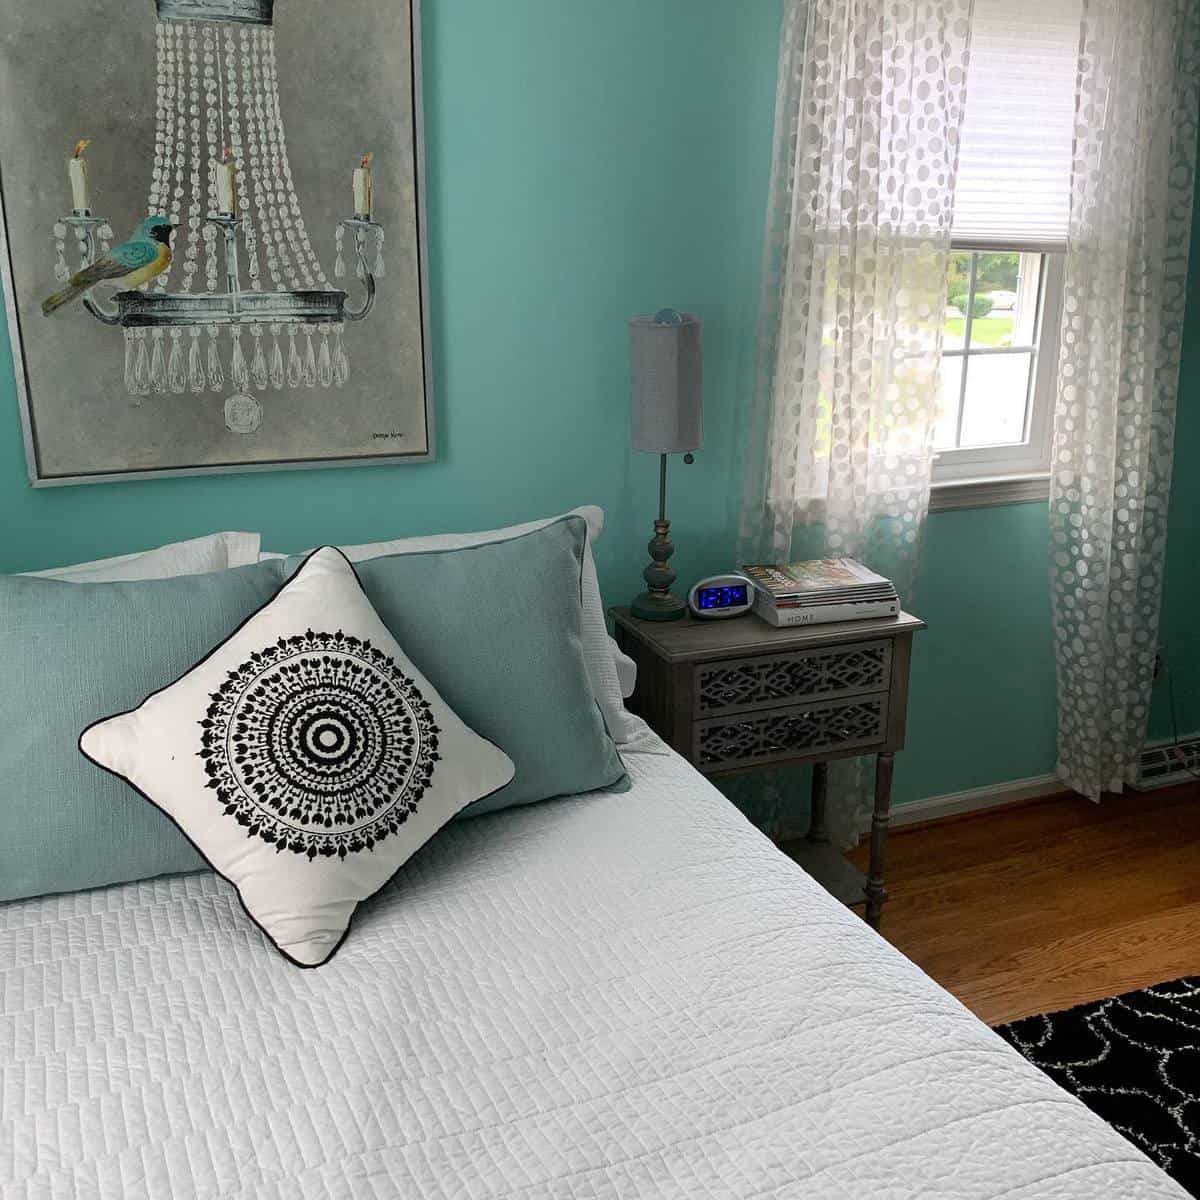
<point x="722" y="597"/>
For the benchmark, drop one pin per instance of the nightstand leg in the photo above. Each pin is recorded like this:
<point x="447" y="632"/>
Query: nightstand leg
<point x="879" y="831"/>
<point x="818" y="832"/>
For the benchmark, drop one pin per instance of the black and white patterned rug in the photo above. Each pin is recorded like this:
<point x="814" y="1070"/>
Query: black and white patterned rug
<point x="1135" y="1061"/>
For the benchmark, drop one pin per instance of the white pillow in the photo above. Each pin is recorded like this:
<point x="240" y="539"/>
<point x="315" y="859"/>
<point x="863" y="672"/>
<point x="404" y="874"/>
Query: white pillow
<point x="216" y="552"/>
<point x="598" y="648"/>
<point x="626" y="669"/>
<point x="305" y="758"/>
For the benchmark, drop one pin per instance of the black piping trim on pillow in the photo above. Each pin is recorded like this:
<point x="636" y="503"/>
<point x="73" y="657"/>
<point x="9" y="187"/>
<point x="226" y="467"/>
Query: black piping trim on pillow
<point x="187" y="837"/>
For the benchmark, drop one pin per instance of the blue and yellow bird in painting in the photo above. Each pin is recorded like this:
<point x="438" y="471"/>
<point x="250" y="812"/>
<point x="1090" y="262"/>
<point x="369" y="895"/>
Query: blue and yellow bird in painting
<point x="144" y="257"/>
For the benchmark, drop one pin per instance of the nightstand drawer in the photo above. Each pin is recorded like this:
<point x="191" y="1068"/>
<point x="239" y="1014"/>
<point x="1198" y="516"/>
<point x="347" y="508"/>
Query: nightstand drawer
<point x="770" y="680"/>
<point x="727" y="743"/>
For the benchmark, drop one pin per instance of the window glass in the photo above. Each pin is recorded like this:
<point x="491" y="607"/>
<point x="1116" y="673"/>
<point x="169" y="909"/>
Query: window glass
<point x="994" y="306"/>
<point x="958" y="289"/>
<point x="995" y="399"/>
<point x="990" y="341"/>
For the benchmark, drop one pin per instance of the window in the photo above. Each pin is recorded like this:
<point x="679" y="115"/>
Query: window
<point x="1011" y="211"/>
<point x="998" y="364"/>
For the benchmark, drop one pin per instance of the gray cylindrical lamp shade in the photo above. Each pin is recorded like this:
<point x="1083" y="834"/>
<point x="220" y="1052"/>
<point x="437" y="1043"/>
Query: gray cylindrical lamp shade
<point x="668" y="384"/>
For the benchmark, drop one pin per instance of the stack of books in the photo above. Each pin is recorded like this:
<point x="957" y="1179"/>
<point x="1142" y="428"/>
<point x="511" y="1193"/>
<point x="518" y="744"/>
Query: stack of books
<point x="819" y="590"/>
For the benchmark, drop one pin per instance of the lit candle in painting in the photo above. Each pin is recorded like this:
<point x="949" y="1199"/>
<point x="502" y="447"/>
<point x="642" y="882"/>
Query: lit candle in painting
<point x="363" y="188"/>
<point x="77" y="174"/>
<point x="226" y="184"/>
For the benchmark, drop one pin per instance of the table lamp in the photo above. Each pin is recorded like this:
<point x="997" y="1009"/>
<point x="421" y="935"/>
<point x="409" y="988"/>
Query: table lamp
<point x="668" y="418"/>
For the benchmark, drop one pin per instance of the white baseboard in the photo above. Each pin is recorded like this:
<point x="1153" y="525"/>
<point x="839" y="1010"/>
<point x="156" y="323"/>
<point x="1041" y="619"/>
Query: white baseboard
<point x="995" y="795"/>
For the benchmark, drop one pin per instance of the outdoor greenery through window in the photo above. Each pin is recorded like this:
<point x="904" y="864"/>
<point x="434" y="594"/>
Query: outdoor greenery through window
<point x="990" y="348"/>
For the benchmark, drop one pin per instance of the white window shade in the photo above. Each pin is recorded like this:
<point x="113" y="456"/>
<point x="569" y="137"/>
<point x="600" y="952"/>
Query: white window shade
<point x="1014" y="165"/>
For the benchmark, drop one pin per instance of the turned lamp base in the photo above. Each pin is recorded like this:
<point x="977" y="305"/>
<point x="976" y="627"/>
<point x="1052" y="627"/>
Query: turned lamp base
<point x="657" y="603"/>
<point x="658" y="606"/>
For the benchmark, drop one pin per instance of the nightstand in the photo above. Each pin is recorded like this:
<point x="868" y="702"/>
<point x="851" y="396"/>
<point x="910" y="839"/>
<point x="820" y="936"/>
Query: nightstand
<point x="740" y="695"/>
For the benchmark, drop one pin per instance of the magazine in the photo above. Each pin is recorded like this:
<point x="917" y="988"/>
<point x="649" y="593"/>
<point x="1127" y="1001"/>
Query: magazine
<point x="819" y="580"/>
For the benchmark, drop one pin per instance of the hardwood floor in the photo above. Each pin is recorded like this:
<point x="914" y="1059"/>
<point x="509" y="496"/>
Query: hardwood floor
<point x="1051" y="904"/>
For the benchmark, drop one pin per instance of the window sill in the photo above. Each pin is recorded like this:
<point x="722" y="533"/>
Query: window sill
<point x="984" y="493"/>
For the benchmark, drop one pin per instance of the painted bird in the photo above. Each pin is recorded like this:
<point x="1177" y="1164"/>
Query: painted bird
<point x="144" y="257"/>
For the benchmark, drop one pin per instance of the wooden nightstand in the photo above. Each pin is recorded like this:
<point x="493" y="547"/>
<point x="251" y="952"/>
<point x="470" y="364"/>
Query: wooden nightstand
<point x="737" y="695"/>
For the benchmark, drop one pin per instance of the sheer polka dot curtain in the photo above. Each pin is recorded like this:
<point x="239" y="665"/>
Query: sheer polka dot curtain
<point x="1083" y="144"/>
<point x="868" y="112"/>
<point x="869" y="105"/>
<point x="1132" y="181"/>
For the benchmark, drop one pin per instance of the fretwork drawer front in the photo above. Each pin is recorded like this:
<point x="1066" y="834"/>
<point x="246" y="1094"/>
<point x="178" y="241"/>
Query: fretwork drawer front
<point x="745" y="684"/>
<point x="773" y="734"/>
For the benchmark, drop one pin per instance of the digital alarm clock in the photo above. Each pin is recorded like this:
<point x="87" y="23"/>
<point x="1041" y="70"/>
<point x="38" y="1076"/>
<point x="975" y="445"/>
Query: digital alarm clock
<point x="721" y="596"/>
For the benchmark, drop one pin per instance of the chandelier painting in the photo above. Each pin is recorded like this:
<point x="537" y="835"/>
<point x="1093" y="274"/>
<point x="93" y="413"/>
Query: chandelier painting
<point x="218" y="286"/>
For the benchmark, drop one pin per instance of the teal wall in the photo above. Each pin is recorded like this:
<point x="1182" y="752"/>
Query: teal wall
<point x="586" y="162"/>
<point x="981" y="707"/>
<point x="1179" y="631"/>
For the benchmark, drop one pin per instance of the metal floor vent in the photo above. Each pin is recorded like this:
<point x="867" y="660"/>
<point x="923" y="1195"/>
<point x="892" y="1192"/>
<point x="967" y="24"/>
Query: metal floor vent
<point x="1166" y="763"/>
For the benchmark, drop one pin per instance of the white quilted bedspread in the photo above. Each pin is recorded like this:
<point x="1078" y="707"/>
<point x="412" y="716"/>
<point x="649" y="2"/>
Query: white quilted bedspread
<point x="630" y="996"/>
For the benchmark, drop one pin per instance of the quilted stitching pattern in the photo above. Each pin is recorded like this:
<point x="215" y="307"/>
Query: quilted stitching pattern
<point x="626" y="995"/>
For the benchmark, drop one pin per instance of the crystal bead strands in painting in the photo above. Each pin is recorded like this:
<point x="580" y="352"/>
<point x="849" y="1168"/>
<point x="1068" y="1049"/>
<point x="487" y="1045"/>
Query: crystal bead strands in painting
<point x="246" y="302"/>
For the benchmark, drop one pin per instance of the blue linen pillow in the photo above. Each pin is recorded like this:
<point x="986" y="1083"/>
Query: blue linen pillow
<point x="73" y="653"/>
<point x="497" y="629"/>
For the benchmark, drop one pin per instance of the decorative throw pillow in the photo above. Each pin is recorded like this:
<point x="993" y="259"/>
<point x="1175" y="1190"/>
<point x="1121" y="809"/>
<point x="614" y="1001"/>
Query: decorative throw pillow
<point x="305" y="757"/>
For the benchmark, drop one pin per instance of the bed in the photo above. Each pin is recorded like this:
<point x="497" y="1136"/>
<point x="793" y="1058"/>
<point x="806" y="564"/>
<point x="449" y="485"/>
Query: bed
<point x="615" y="995"/>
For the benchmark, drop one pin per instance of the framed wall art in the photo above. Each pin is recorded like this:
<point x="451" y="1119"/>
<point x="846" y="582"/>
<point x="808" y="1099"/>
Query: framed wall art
<point x="212" y="235"/>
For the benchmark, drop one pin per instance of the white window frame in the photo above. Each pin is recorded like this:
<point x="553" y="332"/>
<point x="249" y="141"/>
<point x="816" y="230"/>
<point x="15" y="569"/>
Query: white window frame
<point x="1021" y="471"/>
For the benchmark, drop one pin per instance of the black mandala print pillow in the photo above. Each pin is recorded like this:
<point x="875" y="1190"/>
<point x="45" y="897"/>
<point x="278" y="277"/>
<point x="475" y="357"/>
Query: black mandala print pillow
<point x="319" y="744"/>
<point x="305" y="757"/>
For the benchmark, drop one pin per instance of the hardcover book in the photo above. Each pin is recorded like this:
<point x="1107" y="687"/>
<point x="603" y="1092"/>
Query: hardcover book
<point x="789" y="614"/>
